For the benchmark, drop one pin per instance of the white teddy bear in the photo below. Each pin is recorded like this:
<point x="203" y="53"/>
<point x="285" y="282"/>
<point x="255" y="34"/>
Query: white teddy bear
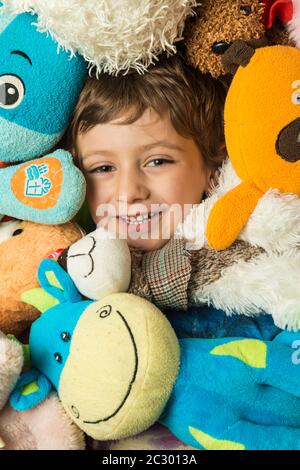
<point x="11" y="363"/>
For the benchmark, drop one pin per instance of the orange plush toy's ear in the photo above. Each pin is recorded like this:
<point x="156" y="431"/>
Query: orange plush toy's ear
<point x="230" y="214"/>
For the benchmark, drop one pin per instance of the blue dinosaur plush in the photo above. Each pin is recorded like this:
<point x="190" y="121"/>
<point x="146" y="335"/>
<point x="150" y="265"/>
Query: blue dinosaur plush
<point x="39" y="88"/>
<point x="115" y="364"/>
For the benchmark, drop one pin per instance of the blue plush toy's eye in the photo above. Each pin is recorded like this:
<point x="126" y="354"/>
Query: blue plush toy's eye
<point x="12" y="91"/>
<point x="65" y="336"/>
<point x="57" y="357"/>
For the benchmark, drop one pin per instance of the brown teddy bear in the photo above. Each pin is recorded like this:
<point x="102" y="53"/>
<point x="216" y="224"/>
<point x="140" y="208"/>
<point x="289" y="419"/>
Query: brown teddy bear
<point x="23" y="245"/>
<point x="219" y="23"/>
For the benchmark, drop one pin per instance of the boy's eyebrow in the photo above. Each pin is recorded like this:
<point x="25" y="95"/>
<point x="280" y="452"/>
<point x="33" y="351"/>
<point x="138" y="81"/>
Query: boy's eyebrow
<point x="162" y="143"/>
<point x="97" y="152"/>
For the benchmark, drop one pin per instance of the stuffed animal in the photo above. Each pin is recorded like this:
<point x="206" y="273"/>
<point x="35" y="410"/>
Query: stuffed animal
<point x="45" y="427"/>
<point x="264" y="151"/>
<point x="219" y="24"/>
<point x="98" y="256"/>
<point x="11" y="363"/>
<point x="115" y="364"/>
<point x="98" y="394"/>
<point x="31" y="430"/>
<point x="38" y="92"/>
<point x="112" y="36"/>
<point x="23" y="245"/>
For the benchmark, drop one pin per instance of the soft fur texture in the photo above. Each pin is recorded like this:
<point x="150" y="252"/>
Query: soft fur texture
<point x="46" y="427"/>
<point x="112" y="36"/>
<point x="225" y="21"/>
<point x="294" y="24"/>
<point x="11" y="362"/>
<point x="96" y="280"/>
<point x="20" y="256"/>
<point x="268" y="282"/>
<point x="263" y="151"/>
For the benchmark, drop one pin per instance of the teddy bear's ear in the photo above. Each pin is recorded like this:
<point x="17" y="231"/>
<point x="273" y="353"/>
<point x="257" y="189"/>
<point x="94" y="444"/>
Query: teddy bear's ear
<point x="240" y="53"/>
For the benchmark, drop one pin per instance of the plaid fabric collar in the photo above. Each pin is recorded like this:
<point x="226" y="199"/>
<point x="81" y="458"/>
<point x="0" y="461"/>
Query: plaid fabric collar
<point x="168" y="272"/>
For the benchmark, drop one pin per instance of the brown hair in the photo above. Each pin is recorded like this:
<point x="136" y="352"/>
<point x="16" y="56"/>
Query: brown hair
<point x="194" y="102"/>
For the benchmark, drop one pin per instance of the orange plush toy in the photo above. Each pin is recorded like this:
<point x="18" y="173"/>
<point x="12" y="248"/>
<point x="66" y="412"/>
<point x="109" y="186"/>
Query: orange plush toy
<point x="262" y="127"/>
<point x="23" y="245"/>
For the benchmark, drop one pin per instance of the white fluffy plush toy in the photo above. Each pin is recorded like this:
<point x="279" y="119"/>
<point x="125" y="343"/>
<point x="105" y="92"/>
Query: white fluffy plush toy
<point x="11" y="363"/>
<point x="113" y="36"/>
<point x="268" y="281"/>
<point x="98" y="264"/>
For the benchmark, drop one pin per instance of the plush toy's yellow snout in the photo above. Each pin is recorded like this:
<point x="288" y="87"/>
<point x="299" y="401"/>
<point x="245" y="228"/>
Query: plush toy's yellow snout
<point x="262" y="127"/>
<point x="122" y="366"/>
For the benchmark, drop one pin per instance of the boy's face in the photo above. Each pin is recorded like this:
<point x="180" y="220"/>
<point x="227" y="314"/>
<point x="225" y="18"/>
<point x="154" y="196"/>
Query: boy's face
<point x="141" y="178"/>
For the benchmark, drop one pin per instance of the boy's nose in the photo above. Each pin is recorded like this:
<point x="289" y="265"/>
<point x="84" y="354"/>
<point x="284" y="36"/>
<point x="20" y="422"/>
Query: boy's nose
<point x="132" y="188"/>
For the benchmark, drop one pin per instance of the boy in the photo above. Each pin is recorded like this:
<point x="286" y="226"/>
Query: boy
<point x="148" y="146"/>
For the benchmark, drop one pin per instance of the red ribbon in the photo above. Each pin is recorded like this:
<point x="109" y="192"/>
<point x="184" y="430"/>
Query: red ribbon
<point x="281" y="9"/>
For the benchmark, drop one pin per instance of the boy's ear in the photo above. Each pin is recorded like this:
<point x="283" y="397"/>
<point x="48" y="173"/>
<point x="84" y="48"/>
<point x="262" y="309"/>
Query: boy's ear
<point x="57" y="283"/>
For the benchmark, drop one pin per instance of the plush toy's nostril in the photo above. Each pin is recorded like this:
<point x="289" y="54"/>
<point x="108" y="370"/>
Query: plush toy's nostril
<point x="62" y="260"/>
<point x="220" y="47"/>
<point x="288" y="142"/>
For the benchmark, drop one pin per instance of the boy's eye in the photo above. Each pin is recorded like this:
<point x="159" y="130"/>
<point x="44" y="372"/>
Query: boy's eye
<point x="158" y="162"/>
<point x="102" y="169"/>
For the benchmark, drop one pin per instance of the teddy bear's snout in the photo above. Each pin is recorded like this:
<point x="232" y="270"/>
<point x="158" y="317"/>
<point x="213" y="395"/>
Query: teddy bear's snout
<point x="288" y="142"/>
<point x="220" y="47"/>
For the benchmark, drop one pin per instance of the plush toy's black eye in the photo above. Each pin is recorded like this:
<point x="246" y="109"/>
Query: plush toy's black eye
<point x="12" y="91"/>
<point x="74" y="411"/>
<point x="220" y="47"/>
<point x="104" y="311"/>
<point x="17" y="232"/>
<point x="246" y="9"/>
<point x="65" y="336"/>
<point x="57" y="357"/>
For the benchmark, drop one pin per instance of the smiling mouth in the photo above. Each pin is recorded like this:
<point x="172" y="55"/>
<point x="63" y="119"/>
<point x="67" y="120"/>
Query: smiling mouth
<point x="138" y="219"/>
<point x="131" y="381"/>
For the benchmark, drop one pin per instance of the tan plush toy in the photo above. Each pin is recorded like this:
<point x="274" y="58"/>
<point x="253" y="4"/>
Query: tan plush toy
<point x="11" y="362"/>
<point x="23" y="245"/>
<point x="219" y="24"/>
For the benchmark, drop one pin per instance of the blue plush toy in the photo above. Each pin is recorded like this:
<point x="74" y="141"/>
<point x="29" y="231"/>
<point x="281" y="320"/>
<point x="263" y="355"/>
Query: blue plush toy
<point x="115" y="365"/>
<point x="39" y="87"/>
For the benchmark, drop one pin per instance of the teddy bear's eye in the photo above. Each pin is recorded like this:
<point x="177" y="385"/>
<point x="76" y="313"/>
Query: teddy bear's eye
<point x="65" y="336"/>
<point x="246" y="9"/>
<point x="58" y="357"/>
<point x="17" y="232"/>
